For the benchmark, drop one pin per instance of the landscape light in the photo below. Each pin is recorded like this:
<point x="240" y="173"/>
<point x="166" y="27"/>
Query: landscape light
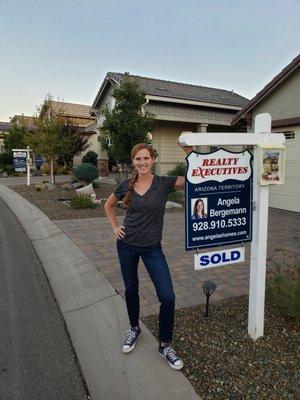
<point x="208" y="288"/>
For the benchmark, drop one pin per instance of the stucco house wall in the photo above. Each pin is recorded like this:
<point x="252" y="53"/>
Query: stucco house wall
<point x="284" y="101"/>
<point x="164" y="139"/>
<point x="281" y="99"/>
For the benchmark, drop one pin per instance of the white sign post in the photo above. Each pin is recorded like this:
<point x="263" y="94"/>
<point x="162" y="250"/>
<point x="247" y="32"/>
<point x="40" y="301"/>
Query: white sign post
<point x="259" y="240"/>
<point x="28" y="165"/>
<point x="262" y="135"/>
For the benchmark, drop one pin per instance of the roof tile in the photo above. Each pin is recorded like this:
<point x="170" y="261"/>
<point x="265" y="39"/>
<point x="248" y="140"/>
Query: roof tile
<point x="184" y="91"/>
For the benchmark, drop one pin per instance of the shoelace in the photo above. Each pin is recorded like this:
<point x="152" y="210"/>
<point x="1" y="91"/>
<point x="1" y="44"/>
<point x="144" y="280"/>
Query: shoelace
<point x="130" y="335"/>
<point x="171" y="353"/>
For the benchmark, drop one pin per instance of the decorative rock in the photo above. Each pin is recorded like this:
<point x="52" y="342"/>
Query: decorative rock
<point x="50" y="186"/>
<point x="67" y="186"/>
<point x="76" y="185"/>
<point x="4" y="175"/>
<point x="86" y="190"/>
<point x="172" y="204"/>
<point x="40" y="187"/>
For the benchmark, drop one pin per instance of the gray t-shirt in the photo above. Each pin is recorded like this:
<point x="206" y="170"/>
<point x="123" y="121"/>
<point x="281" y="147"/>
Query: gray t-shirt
<point x="144" y="218"/>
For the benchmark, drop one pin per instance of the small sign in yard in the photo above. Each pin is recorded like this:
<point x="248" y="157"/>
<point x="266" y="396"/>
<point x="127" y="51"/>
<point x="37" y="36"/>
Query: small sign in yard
<point x="218" y="258"/>
<point x="19" y="158"/>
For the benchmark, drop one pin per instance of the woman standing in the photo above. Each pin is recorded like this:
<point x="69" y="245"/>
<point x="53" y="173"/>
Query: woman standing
<point x="145" y="196"/>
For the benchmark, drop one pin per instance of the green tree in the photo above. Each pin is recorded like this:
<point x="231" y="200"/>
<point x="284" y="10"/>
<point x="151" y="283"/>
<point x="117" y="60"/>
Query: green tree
<point x="48" y="138"/>
<point x="78" y="142"/>
<point x="17" y="137"/>
<point x="126" y="124"/>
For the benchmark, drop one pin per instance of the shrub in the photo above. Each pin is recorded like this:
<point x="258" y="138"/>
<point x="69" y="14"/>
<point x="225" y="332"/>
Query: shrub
<point x="82" y="201"/>
<point x="6" y="158"/>
<point x="178" y="170"/>
<point x="86" y="172"/>
<point x="90" y="157"/>
<point x="176" y="196"/>
<point x="62" y="170"/>
<point x="96" y="185"/>
<point x="9" y="169"/>
<point x="45" y="169"/>
<point x="283" y="292"/>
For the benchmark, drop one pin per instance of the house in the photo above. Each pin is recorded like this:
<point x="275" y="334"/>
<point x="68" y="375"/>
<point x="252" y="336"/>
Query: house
<point x="77" y="114"/>
<point x="281" y="99"/>
<point x="4" y="128"/>
<point x="177" y="107"/>
<point x="18" y="120"/>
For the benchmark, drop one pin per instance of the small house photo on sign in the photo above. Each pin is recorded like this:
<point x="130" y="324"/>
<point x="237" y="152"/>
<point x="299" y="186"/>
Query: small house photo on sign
<point x="272" y="166"/>
<point x="199" y="208"/>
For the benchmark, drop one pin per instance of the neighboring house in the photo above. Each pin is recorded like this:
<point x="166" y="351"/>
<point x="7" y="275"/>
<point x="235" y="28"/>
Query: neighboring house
<point x="177" y="107"/>
<point x="78" y="114"/>
<point x="4" y="128"/>
<point x="281" y="99"/>
<point x="23" y="119"/>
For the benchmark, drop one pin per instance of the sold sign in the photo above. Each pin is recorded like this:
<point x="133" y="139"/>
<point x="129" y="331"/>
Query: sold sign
<point x="218" y="258"/>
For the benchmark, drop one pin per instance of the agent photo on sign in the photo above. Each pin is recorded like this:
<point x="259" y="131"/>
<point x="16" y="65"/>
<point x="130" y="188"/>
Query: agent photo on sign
<point x="199" y="209"/>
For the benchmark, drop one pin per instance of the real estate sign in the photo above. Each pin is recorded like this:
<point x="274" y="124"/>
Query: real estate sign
<point x="218" y="198"/>
<point x="19" y="159"/>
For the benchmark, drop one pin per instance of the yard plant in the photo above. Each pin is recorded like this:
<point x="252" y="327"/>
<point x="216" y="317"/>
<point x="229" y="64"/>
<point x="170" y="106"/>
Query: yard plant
<point x="90" y="157"/>
<point x="82" y="201"/>
<point x="86" y="172"/>
<point x="127" y="123"/>
<point x="283" y="292"/>
<point x="177" y="170"/>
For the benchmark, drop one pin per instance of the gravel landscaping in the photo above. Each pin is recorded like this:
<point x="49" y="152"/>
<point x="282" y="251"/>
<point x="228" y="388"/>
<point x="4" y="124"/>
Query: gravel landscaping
<point x="50" y="201"/>
<point x="222" y="362"/>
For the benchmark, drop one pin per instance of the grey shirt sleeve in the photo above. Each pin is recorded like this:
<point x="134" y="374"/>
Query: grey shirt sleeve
<point x="168" y="183"/>
<point x="121" y="190"/>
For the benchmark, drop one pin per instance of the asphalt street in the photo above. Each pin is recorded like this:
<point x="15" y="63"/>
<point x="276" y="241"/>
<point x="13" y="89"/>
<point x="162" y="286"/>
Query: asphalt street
<point x="37" y="360"/>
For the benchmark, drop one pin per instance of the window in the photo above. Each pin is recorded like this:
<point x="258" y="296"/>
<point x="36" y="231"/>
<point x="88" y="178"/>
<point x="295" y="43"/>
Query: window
<point x="289" y="134"/>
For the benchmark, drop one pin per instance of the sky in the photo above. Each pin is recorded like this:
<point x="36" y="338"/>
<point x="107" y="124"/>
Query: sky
<point x="66" y="47"/>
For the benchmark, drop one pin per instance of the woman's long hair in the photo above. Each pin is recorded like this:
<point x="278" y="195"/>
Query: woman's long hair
<point x="134" y="151"/>
<point x="195" y="208"/>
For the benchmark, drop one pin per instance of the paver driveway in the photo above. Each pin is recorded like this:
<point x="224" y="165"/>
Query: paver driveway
<point x="96" y="239"/>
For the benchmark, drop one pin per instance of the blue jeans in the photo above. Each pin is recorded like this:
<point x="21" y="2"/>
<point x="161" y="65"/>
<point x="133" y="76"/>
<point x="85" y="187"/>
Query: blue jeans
<point x="158" y="270"/>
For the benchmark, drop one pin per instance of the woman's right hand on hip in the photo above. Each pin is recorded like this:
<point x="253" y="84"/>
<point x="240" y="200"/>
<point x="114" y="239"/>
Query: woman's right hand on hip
<point x="119" y="231"/>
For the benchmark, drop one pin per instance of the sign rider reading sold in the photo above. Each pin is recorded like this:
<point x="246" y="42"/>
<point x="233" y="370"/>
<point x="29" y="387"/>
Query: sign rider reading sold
<point x="220" y="183"/>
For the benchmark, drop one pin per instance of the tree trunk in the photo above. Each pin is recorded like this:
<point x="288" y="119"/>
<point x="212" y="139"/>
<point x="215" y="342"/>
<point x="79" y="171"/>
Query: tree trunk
<point x="51" y="170"/>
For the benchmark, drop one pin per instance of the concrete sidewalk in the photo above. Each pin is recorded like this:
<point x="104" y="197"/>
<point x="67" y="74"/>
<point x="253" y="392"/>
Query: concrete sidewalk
<point x="96" y="318"/>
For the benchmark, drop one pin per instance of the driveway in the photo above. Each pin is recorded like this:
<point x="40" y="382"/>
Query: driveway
<point x="96" y="239"/>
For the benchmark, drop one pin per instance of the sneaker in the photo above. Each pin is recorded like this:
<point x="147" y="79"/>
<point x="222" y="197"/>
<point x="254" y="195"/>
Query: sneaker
<point x="131" y="338"/>
<point x="170" y="355"/>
